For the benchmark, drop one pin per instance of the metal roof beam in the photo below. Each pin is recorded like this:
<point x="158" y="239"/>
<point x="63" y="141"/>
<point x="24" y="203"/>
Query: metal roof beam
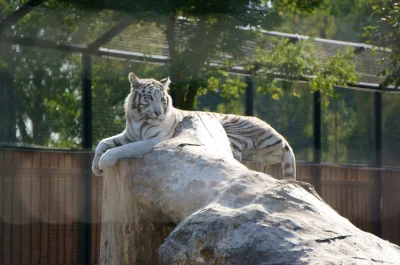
<point x="151" y="58"/>
<point x="294" y="40"/>
<point x="318" y="40"/>
<point x="18" y="14"/>
<point x="359" y="50"/>
<point x="44" y="44"/>
<point x="111" y="33"/>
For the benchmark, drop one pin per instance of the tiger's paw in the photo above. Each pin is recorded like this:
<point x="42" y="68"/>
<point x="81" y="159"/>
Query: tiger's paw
<point x="95" y="165"/>
<point x="96" y="170"/>
<point x="108" y="159"/>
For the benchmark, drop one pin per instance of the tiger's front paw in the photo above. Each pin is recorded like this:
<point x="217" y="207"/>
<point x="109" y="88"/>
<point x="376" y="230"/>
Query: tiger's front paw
<point x="96" y="170"/>
<point x="95" y="165"/>
<point x="100" y="150"/>
<point x="108" y="159"/>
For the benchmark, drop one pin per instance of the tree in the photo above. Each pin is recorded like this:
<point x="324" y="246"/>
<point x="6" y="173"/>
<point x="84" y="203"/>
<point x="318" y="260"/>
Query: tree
<point x="206" y="33"/>
<point x="385" y="33"/>
<point x="202" y="46"/>
<point x="48" y="84"/>
<point x="333" y="19"/>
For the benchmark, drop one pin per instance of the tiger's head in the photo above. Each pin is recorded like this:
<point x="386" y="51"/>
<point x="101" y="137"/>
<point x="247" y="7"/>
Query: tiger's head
<point x="148" y="98"/>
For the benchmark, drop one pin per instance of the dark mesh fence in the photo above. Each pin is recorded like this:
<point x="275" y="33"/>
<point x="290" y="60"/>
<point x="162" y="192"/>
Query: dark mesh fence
<point x="46" y="99"/>
<point x="391" y="129"/>
<point x="46" y="109"/>
<point x="110" y="88"/>
<point x="290" y="116"/>
<point x="214" y="102"/>
<point x="348" y="127"/>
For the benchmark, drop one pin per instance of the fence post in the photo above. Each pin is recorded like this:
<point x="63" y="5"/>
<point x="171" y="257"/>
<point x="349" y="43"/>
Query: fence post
<point x="86" y="190"/>
<point x="377" y="192"/>
<point x="316" y="175"/>
<point x="249" y="96"/>
<point x="7" y="97"/>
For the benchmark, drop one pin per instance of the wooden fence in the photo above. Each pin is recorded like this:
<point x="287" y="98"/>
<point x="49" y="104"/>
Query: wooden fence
<point x="42" y="197"/>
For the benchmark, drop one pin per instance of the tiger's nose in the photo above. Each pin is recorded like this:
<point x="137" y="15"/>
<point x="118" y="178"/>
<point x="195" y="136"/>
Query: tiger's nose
<point x="157" y="113"/>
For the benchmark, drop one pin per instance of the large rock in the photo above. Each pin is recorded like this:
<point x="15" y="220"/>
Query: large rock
<point x="259" y="221"/>
<point x="187" y="172"/>
<point x="228" y="214"/>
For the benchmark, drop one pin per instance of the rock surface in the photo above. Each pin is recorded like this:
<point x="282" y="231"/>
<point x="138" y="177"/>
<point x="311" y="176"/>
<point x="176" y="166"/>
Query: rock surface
<point x="228" y="214"/>
<point x="256" y="221"/>
<point x="178" y="177"/>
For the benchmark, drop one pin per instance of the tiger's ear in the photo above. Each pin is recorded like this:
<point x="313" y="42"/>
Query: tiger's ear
<point x="165" y="82"/>
<point x="135" y="81"/>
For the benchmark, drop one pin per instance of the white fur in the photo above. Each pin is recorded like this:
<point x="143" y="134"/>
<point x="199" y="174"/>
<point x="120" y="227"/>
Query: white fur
<point x="134" y="143"/>
<point x="151" y="121"/>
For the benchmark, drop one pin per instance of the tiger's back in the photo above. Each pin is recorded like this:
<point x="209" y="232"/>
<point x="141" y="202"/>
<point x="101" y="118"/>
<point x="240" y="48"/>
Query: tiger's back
<point x="253" y="139"/>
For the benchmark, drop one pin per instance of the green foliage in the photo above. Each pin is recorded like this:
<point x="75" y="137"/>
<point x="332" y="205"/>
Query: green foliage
<point x="385" y="32"/>
<point x="346" y="127"/>
<point x="337" y="70"/>
<point x="332" y="19"/>
<point x="254" y="12"/>
<point x="233" y="107"/>
<point x="286" y="63"/>
<point x="48" y="84"/>
<point x="212" y="29"/>
<point x="3" y="65"/>
<point x="229" y="87"/>
<point x="48" y="95"/>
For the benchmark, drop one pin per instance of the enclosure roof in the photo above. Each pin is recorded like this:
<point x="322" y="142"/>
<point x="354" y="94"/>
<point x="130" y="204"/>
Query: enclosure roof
<point x="116" y="35"/>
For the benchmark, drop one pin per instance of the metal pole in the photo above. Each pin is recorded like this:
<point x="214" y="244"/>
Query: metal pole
<point x="87" y="102"/>
<point x="8" y="110"/>
<point x="377" y="193"/>
<point x="86" y="191"/>
<point x="249" y="96"/>
<point x="316" y="180"/>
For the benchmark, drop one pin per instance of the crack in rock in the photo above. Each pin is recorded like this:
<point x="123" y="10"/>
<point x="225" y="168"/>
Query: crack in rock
<point x="329" y="240"/>
<point x="188" y="144"/>
<point x="381" y="261"/>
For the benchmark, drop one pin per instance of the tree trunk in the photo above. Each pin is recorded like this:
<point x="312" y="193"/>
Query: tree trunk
<point x="193" y="60"/>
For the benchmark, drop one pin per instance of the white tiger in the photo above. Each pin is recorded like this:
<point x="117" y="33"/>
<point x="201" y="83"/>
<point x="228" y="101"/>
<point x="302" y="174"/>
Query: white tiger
<point x="151" y="119"/>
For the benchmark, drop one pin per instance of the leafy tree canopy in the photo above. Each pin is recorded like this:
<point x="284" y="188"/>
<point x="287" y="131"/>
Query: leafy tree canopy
<point x="385" y="32"/>
<point x="213" y="37"/>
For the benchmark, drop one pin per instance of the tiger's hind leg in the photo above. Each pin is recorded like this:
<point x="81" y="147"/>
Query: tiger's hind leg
<point x="288" y="163"/>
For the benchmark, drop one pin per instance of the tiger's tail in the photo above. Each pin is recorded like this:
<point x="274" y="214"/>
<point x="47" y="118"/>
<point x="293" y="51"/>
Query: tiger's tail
<point x="288" y="163"/>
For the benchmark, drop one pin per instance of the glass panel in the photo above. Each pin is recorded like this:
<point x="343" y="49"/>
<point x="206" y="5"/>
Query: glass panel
<point x="390" y="129"/>
<point x="292" y="117"/>
<point x="47" y="98"/>
<point x="348" y="127"/>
